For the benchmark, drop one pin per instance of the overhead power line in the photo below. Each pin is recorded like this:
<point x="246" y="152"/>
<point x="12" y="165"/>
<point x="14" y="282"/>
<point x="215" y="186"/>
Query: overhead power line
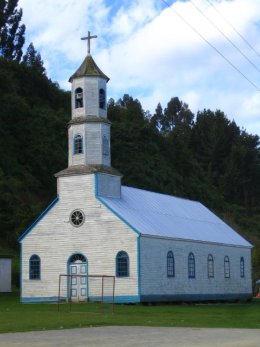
<point x="224" y="35"/>
<point x="236" y="31"/>
<point x="211" y="45"/>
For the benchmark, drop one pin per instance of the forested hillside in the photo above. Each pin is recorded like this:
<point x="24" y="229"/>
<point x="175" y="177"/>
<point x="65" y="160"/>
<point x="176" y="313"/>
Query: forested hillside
<point x="33" y="135"/>
<point x="205" y="157"/>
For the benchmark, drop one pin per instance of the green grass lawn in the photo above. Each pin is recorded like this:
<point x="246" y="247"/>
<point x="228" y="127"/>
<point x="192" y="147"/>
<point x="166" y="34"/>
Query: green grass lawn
<point x="15" y="316"/>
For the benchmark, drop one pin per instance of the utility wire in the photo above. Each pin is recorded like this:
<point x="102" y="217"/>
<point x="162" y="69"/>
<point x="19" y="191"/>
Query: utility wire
<point x="212" y="46"/>
<point x="224" y="35"/>
<point x="236" y="31"/>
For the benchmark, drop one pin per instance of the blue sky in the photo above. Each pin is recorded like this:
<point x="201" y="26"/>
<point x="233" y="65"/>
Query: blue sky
<point x="149" y="52"/>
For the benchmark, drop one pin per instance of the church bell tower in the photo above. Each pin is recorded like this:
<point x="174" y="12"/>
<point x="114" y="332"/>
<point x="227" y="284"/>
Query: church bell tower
<point x="89" y="128"/>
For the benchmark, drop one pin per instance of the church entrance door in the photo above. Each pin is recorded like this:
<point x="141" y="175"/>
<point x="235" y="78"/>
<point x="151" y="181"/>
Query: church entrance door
<point x="78" y="280"/>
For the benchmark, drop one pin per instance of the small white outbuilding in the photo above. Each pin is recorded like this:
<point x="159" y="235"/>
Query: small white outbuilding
<point x="158" y="247"/>
<point x="5" y="274"/>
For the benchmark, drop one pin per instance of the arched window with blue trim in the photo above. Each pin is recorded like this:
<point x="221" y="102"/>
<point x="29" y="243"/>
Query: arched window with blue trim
<point x="35" y="267"/>
<point x="170" y="264"/>
<point x="191" y="265"/>
<point x="78" y="144"/>
<point x="122" y="264"/>
<point x="102" y="98"/>
<point x="242" y="267"/>
<point x="210" y="266"/>
<point x="78" y="98"/>
<point x="226" y="267"/>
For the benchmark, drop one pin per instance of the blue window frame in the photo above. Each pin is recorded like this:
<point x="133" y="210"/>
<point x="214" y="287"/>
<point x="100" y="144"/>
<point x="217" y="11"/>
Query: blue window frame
<point x="210" y="266"/>
<point x="170" y="264"/>
<point x="226" y="267"/>
<point x="122" y="264"/>
<point x="102" y="99"/>
<point x="242" y="267"/>
<point x="78" y="144"/>
<point x="35" y="267"/>
<point x="105" y="146"/>
<point x="191" y="265"/>
<point x="78" y="98"/>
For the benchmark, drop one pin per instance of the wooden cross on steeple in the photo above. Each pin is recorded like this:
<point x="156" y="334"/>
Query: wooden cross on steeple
<point x="88" y="38"/>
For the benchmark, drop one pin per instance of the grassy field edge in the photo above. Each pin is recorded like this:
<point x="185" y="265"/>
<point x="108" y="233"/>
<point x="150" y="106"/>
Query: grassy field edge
<point x="17" y="317"/>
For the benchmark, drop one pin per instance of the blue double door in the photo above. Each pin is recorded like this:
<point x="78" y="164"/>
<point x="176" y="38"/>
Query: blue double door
<point x="78" y="281"/>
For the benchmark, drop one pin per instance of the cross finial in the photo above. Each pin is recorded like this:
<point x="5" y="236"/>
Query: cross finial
<point x="88" y="38"/>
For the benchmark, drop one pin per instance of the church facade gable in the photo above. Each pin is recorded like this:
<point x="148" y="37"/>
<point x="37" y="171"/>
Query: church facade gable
<point x="54" y="239"/>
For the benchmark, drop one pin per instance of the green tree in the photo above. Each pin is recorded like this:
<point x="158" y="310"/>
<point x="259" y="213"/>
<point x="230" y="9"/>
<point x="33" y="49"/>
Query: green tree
<point x="241" y="179"/>
<point x="33" y="145"/>
<point x="176" y="113"/>
<point x="137" y="147"/>
<point x="11" y="31"/>
<point x="157" y="118"/>
<point x="212" y="138"/>
<point x="33" y="59"/>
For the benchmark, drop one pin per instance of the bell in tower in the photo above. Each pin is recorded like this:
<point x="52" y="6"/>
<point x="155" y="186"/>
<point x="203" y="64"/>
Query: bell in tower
<point x="88" y="95"/>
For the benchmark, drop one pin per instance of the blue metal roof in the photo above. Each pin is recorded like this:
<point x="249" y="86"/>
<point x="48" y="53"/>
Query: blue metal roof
<point x="168" y="216"/>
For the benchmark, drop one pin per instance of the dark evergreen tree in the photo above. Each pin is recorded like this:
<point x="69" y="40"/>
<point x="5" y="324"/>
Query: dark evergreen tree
<point x="33" y="59"/>
<point x="241" y="179"/>
<point x="212" y="139"/>
<point x="11" y="31"/>
<point x="176" y="114"/>
<point x="157" y="118"/>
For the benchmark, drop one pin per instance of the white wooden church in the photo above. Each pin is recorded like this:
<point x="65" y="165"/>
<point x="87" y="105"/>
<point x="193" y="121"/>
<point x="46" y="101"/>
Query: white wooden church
<point x="158" y="247"/>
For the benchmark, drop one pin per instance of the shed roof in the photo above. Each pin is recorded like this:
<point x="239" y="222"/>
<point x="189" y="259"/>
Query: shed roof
<point x="168" y="216"/>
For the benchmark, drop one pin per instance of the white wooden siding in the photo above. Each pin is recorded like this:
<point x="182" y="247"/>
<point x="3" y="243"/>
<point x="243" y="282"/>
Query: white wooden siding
<point x="77" y="159"/>
<point x="109" y="186"/>
<point x="105" y="131"/>
<point x="54" y="239"/>
<point x="78" y="112"/>
<point x="154" y="268"/>
<point x="92" y="134"/>
<point x="90" y="86"/>
<point x="94" y="143"/>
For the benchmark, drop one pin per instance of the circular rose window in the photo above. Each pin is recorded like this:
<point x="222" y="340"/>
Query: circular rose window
<point x="77" y="218"/>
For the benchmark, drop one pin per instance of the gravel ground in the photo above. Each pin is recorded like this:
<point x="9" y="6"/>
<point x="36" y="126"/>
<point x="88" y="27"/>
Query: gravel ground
<point x="134" y="336"/>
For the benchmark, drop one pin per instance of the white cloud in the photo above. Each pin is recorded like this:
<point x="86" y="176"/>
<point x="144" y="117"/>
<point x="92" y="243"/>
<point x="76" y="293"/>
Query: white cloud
<point x="152" y="54"/>
<point x="251" y="106"/>
<point x="127" y="20"/>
